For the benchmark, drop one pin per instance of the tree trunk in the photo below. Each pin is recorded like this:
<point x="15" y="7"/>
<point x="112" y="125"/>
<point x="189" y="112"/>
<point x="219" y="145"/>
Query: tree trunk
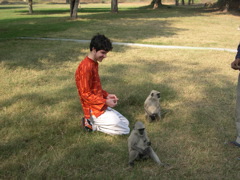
<point x="227" y="5"/>
<point x="156" y="3"/>
<point x="74" y="8"/>
<point x="30" y="6"/>
<point x="177" y="2"/>
<point x="190" y="1"/>
<point x="234" y="5"/>
<point x="114" y="6"/>
<point x="183" y="2"/>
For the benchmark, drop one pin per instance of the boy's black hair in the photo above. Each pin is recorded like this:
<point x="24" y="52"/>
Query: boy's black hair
<point x="100" y="42"/>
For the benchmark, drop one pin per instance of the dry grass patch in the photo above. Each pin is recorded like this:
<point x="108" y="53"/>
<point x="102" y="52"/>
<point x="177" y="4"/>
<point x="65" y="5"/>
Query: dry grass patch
<point x="40" y="112"/>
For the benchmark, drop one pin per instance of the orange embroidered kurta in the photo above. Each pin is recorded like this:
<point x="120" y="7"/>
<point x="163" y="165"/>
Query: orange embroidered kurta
<point x="92" y="96"/>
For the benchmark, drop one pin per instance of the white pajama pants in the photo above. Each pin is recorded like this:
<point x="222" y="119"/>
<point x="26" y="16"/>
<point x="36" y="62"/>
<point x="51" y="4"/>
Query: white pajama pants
<point x="111" y="122"/>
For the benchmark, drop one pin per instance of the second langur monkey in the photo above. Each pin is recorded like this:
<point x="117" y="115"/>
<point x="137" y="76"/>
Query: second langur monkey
<point x="152" y="106"/>
<point x="139" y="145"/>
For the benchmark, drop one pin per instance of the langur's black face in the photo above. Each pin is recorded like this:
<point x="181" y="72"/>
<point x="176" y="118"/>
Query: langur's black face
<point x="141" y="131"/>
<point x="153" y="116"/>
<point x="155" y="95"/>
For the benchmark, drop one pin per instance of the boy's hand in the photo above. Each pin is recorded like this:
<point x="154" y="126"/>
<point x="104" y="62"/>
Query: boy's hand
<point x="111" y="100"/>
<point x="236" y="64"/>
<point x="112" y="96"/>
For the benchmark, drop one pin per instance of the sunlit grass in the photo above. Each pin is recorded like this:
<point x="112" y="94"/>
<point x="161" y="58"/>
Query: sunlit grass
<point x="134" y="23"/>
<point x="40" y="111"/>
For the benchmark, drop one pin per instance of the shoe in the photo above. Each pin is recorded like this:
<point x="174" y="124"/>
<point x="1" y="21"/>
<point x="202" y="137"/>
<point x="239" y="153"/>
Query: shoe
<point x="87" y="125"/>
<point x="235" y="143"/>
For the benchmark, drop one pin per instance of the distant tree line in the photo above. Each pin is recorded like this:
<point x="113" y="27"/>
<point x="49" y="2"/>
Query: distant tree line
<point x="157" y="3"/>
<point x="222" y="4"/>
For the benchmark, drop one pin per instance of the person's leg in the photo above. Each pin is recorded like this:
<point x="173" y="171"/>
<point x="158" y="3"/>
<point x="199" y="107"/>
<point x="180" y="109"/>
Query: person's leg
<point x="111" y="122"/>
<point x="237" y="141"/>
<point x="123" y="120"/>
<point x="238" y="112"/>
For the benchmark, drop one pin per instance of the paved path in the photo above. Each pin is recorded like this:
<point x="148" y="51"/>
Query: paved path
<point x="136" y="44"/>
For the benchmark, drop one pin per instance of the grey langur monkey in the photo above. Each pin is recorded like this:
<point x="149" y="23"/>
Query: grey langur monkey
<point x="152" y="106"/>
<point x="139" y="145"/>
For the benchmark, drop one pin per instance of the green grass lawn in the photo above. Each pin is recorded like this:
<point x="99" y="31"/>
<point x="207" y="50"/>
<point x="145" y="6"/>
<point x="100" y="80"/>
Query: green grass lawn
<point x="40" y="113"/>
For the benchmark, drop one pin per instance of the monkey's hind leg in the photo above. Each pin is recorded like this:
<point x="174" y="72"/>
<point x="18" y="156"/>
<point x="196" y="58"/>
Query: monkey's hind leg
<point x="158" y="117"/>
<point x="147" y="117"/>
<point x="133" y="155"/>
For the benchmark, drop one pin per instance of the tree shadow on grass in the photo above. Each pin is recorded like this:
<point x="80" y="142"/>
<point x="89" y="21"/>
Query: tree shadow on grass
<point x="62" y="11"/>
<point x="139" y="19"/>
<point x="39" y="55"/>
<point x="13" y="7"/>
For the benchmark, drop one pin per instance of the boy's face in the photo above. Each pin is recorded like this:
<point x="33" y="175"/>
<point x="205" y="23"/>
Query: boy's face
<point x="100" y="55"/>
